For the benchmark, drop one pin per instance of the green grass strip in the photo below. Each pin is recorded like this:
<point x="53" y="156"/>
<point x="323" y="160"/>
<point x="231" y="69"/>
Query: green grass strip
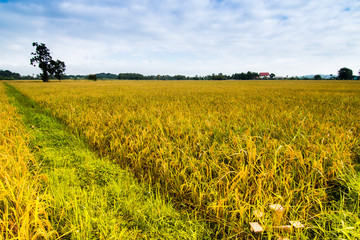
<point x="92" y="197"/>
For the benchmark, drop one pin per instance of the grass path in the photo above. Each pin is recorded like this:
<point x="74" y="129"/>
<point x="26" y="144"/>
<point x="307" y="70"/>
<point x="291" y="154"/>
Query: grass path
<point x="92" y="198"/>
<point x="23" y="208"/>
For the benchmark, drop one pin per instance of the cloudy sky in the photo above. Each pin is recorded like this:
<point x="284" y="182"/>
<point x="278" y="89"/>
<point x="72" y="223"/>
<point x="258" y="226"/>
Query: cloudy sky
<point x="292" y="37"/>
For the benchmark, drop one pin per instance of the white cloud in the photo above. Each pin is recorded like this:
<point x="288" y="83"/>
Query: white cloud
<point x="185" y="37"/>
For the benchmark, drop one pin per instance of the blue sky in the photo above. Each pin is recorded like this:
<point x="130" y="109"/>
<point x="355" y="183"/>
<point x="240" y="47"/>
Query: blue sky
<point x="293" y="37"/>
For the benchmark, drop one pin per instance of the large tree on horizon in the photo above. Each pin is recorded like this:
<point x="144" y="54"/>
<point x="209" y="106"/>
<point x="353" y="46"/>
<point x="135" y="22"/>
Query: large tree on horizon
<point x="42" y="57"/>
<point x="48" y="66"/>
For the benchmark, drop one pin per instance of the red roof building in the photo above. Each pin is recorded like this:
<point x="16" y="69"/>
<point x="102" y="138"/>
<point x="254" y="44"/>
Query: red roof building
<point x="264" y="75"/>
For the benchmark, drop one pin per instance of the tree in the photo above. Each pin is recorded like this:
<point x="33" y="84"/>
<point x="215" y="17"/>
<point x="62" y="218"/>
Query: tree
<point x="43" y="58"/>
<point x="92" y="77"/>
<point x="179" y="77"/>
<point x="245" y="76"/>
<point x="57" y="68"/>
<point x="272" y="75"/>
<point x="345" y="74"/>
<point x="8" y="75"/>
<point x="130" y="76"/>
<point x="317" y="77"/>
<point x="48" y="66"/>
<point x="219" y="76"/>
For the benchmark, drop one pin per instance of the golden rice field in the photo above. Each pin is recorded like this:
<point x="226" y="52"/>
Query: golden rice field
<point x="23" y="205"/>
<point x="222" y="150"/>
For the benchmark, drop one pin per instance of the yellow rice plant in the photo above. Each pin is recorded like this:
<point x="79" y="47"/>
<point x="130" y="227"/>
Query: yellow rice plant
<point x="222" y="149"/>
<point x="22" y="197"/>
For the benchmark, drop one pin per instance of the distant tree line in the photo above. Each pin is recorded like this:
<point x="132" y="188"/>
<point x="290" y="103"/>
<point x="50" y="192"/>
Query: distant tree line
<point x="136" y="76"/>
<point x="8" y="75"/>
<point x="343" y="74"/>
<point x="246" y="76"/>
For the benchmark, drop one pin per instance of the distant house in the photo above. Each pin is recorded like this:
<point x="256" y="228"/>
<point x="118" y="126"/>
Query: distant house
<point x="264" y="75"/>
